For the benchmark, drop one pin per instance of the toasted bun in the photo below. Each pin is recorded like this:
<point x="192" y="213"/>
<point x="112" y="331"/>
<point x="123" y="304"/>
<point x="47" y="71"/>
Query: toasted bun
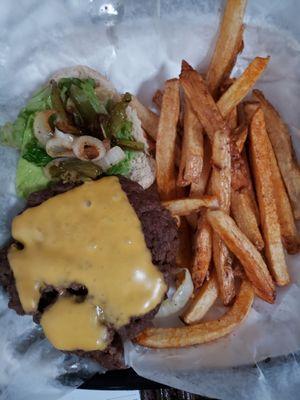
<point x="143" y="166"/>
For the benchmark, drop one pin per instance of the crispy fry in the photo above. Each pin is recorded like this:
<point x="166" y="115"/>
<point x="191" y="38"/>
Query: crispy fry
<point x="249" y="189"/>
<point x="229" y="44"/>
<point x="218" y="132"/>
<point x="202" y="252"/>
<point x="198" y="188"/>
<point x="221" y="186"/>
<point x="149" y="119"/>
<point x="239" y="176"/>
<point x="188" y="206"/>
<point x="284" y="210"/>
<point x="191" y="162"/>
<point x="202" y="302"/>
<point x="239" y="89"/>
<point x="232" y="119"/>
<point x="184" y="254"/>
<point x="282" y="145"/>
<point x="253" y="263"/>
<point x="195" y="90"/>
<point x="166" y="141"/>
<point x="266" y="199"/>
<point x="203" y="332"/>
<point x="157" y="98"/>
<point x="244" y="216"/>
<point x="201" y="100"/>
<point x="240" y="137"/>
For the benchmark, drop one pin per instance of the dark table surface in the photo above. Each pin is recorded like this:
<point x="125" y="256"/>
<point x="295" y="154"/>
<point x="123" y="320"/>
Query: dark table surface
<point x="129" y="380"/>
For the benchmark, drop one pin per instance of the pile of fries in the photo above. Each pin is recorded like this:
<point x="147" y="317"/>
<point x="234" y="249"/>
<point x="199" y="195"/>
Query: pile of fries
<point x="226" y="171"/>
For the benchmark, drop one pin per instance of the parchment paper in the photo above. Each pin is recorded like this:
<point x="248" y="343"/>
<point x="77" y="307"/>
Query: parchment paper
<point x="139" y="44"/>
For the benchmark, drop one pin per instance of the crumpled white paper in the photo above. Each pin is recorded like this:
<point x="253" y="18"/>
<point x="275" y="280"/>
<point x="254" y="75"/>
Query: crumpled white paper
<point x="139" y="44"/>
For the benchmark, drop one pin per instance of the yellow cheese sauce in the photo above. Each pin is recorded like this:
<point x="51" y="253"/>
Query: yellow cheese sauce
<point x="90" y="235"/>
<point x="66" y="323"/>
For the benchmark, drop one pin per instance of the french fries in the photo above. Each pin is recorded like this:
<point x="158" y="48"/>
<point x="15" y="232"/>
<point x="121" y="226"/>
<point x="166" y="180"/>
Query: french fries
<point x="202" y="252"/>
<point x="198" y="187"/>
<point x="218" y="132"/>
<point x="182" y="207"/>
<point x="229" y="44"/>
<point x="157" y="98"/>
<point x="161" y="338"/>
<point x="202" y="302"/>
<point x="253" y="263"/>
<point x="184" y="253"/>
<point x="214" y="172"/>
<point x="149" y="119"/>
<point x="244" y="215"/>
<point x="166" y="140"/>
<point x="260" y="158"/>
<point x="240" y="137"/>
<point x="284" y="210"/>
<point x="282" y="145"/>
<point x="241" y="86"/>
<point x="191" y="162"/>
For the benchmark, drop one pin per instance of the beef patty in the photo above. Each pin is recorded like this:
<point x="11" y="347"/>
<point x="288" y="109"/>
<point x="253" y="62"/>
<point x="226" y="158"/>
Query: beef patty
<point x="160" y="234"/>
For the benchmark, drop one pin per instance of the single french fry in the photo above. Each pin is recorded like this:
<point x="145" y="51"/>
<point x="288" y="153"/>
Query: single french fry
<point x="191" y="162"/>
<point x="260" y="160"/>
<point x="184" y="253"/>
<point x="198" y="188"/>
<point x="202" y="102"/>
<point x="202" y="332"/>
<point x="250" y="189"/>
<point x="240" y="137"/>
<point x="166" y="140"/>
<point x="202" y="302"/>
<point x="229" y="44"/>
<point x="202" y="252"/>
<point x="281" y="141"/>
<point x="188" y="206"/>
<point x="244" y="216"/>
<point x="284" y="210"/>
<point x="219" y="134"/>
<point x="232" y="119"/>
<point x="149" y="119"/>
<point x="221" y="186"/>
<point x="242" y="85"/>
<point x="239" y="176"/>
<point x="157" y="98"/>
<point x="252" y="261"/>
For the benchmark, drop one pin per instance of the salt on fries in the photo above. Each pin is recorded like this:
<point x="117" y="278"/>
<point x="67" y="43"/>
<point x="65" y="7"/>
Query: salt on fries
<point x="239" y="225"/>
<point x="160" y="338"/>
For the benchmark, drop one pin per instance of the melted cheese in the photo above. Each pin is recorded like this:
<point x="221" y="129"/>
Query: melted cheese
<point x="70" y="325"/>
<point x="90" y="235"/>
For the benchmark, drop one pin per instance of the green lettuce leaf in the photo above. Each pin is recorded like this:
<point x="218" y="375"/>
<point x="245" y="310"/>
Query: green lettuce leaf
<point x="29" y="178"/>
<point x="124" y="166"/>
<point x="12" y="134"/>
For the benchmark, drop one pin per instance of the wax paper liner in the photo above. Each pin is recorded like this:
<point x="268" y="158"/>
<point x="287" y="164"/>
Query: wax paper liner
<point x="139" y="44"/>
